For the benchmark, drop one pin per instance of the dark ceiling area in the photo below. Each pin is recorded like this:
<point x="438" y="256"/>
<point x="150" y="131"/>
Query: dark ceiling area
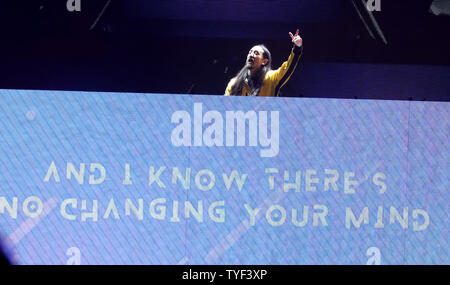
<point x="182" y="46"/>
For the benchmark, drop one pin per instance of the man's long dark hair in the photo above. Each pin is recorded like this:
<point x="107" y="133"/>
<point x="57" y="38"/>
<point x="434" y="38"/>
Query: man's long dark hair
<point x="255" y="82"/>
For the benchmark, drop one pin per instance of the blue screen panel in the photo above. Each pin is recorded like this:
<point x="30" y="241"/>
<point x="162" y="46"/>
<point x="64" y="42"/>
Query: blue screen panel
<point x="126" y="178"/>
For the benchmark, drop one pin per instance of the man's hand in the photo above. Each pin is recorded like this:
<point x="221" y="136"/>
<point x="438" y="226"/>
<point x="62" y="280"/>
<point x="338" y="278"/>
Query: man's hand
<point x="296" y="39"/>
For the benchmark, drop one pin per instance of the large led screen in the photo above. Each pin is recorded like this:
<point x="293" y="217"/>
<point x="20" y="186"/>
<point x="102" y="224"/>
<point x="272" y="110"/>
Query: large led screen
<point x="127" y="178"/>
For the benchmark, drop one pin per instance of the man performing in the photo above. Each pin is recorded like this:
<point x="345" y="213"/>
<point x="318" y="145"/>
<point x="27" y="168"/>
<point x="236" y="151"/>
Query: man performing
<point x="257" y="78"/>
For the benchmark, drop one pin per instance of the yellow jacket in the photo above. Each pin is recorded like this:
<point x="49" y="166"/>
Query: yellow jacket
<point x="274" y="79"/>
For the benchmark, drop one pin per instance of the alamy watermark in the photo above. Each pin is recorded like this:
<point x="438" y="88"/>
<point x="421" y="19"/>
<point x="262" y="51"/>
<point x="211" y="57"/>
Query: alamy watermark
<point x="214" y="129"/>
<point x="374" y="255"/>
<point x="373" y="5"/>
<point x="74" y="256"/>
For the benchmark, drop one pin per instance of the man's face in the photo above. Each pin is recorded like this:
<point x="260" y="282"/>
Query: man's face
<point x="255" y="58"/>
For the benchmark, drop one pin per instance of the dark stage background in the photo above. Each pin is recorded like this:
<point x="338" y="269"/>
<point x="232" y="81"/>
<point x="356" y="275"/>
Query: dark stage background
<point x="195" y="47"/>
